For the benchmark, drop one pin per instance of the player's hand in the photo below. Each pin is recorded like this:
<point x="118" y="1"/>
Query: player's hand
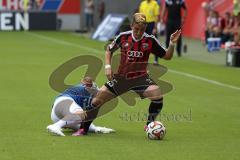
<point x="174" y="37"/>
<point x="109" y="74"/>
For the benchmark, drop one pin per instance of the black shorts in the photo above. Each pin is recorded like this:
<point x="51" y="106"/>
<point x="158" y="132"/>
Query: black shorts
<point x="120" y="84"/>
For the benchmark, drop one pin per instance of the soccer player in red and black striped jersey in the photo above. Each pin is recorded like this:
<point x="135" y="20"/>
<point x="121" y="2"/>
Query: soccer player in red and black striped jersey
<point x="135" y="47"/>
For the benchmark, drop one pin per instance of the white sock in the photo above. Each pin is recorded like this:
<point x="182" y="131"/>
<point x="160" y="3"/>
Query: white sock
<point x="92" y="128"/>
<point x="69" y="124"/>
<point x="60" y="123"/>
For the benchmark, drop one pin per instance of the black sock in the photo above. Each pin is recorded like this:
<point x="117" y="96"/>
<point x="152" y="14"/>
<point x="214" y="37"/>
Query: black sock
<point x="85" y="126"/>
<point x="91" y="115"/>
<point x="154" y="109"/>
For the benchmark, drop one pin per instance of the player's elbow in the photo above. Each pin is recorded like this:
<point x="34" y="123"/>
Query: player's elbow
<point x="167" y="57"/>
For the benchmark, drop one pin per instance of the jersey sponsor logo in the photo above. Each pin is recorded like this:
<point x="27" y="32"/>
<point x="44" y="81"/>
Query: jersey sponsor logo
<point x="136" y="54"/>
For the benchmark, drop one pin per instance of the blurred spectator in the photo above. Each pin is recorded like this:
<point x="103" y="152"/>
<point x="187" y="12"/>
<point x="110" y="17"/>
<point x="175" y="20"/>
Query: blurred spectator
<point x="174" y="20"/>
<point x="26" y="5"/>
<point x="213" y="28"/>
<point x="89" y="14"/>
<point x="160" y="26"/>
<point x="34" y="5"/>
<point x="228" y="24"/>
<point x="159" y="2"/>
<point x="228" y="20"/>
<point x="101" y="10"/>
<point x="151" y="9"/>
<point x="236" y="39"/>
<point x="236" y="29"/>
<point x="217" y="30"/>
<point x="208" y="6"/>
<point x="236" y="7"/>
<point x="231" y="33"/>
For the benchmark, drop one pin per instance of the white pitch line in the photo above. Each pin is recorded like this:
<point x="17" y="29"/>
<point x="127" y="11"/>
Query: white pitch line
<point x="204" y="79"/>
<point x="98" y="51"/>
<point x="66" y="43"/>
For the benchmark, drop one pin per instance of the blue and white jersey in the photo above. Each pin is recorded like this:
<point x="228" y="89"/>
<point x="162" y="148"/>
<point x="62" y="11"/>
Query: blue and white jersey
<point x="81" y="95"/>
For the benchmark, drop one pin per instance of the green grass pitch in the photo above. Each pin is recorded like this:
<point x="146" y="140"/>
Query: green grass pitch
<point x="202" y="116"/>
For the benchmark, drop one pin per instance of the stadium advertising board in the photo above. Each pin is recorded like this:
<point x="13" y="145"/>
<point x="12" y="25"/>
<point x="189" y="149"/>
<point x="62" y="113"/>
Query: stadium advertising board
<point x="67" y="14"/>
<point x="10" y="21"/>
<point x="59" y="6"/>
<point x="12" y="5"/>
<point x="14" y="21"/>
<point x="109" y="27"/>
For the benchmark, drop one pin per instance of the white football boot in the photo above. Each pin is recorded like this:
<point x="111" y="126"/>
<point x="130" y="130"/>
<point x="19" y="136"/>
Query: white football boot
<point x="104" y="130"/>
<point x="55" y="130"/>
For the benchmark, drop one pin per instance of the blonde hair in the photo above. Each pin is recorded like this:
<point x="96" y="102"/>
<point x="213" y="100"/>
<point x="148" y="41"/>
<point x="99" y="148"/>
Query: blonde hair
<point x="139" y="18"/>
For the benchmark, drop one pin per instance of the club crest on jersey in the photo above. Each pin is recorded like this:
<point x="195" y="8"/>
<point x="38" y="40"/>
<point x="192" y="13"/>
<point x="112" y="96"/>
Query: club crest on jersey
<point x="145" y="46"/>
<point x="126" y="45"/>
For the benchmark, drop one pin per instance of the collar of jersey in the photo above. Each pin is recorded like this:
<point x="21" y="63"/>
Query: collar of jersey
<point x="138" y="39"/>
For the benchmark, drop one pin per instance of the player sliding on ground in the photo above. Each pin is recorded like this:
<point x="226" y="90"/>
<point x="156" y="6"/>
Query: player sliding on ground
<point x="70" y="104"/>
<point x="135" y="46"/>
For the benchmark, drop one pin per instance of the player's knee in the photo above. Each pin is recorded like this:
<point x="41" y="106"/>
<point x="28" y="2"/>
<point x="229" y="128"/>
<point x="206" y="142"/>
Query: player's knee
<point x="153" y="92"/>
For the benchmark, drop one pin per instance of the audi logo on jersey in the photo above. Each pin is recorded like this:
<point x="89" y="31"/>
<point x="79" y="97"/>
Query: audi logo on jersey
<point x="132" y="54"/>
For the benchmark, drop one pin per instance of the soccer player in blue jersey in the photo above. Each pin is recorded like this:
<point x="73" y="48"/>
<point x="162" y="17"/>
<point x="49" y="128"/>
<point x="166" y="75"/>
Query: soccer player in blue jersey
<point x="69" y="108"/>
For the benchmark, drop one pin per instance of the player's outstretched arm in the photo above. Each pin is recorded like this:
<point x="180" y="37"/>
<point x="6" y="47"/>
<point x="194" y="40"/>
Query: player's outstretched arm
<point x="173" y="40"/>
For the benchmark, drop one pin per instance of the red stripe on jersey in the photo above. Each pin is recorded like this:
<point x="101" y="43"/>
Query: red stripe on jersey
<point x="130" y="40"/>
<point x="135" y="54"/>
<point x="125" y="46"/>
<point x="123" y="39"/>
<point x="135" y="46"/>
<point x="142" y="42"/>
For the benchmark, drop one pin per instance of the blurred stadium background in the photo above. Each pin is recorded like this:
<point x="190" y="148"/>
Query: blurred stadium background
<point x="201" y="113"/>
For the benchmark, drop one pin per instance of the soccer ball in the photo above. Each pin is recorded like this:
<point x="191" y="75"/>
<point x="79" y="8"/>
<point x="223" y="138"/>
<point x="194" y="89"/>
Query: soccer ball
<point x="155" y="130"/>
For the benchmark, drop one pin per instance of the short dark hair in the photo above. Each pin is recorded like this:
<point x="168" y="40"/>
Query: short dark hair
<point x="87" y="79"/>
